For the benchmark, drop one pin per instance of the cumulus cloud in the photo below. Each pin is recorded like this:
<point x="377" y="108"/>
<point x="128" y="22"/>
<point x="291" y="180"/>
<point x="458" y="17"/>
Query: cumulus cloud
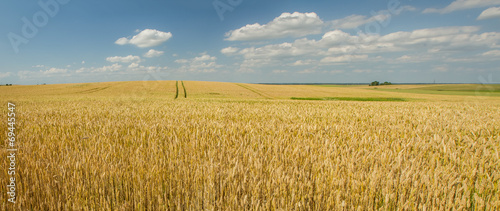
<point x="150" y="69"/>
<point x="54" y="71"/>
<point x="301" y="24"/>
<point x="133" y="65"/>
<point x="303" y="62"/>
<point x="338" y="47"/>
<point x="203" y="63"/>
<point x="229" y="50"/>
<point x="493" y="12"/>
<point x="435" y="35"/>
<point x="343" y="58"/>
<point x="146" y="38"/>
<point x="153" y="53"/>
<point x="354" y="21"/>
<point x="124" y="59"/>
<point x="495" y="53"/>
<point x="286" y="25"/>
<point x="110" y="68"/>
<point x="463" y="5"/>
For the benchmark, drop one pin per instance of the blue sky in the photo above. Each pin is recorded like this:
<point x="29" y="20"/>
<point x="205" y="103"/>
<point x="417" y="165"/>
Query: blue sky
<point x="255" y="41"/>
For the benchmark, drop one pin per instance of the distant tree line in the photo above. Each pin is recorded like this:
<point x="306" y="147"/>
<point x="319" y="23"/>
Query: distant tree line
<point x="6" y="85"/>
<point x="376" y="83"/>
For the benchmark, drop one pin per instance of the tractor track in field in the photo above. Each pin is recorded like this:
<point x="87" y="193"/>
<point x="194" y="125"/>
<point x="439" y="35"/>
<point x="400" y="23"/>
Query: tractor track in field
<point x="184" y="87"/>
<point x="177" y="89"/>
<point x="255" y="91"/>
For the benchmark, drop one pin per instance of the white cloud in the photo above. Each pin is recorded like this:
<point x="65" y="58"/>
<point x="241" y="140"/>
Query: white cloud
<point x="283" y="50"/>
<point x="5" y="75"/>
<point x="112" y="68"/>
<point x="404" y="59"/>
<point x="54" y="71"/>
<point x="495" y="53"/>
<point x="181" y="61"/>
<point x="203" y="63"/>
<point x="338" y="47"/>
<point x="229" y="50"/>
<point x="204" y="57"/>
<point x="150" y="69"/>
<point x="463" y="5"/>
<point x="343" y="58"/>
<point x="122" y="41"/>
<point x="416" y="58"/>
<point x="338" y="42"/>
<point x="354" y="21"/>
<point x="83" y="62"/>
<point x="493" y="12"/>
<point x="146" y="38"/>
<point x="153" y="53"/>
<point x="133" y="65"/>
<point x="338" y="37"/>
<point x="124" y="59"/>
<point x="303" y="62"/>
<point x="286" y="25"/>
<point x="301" y="24"/>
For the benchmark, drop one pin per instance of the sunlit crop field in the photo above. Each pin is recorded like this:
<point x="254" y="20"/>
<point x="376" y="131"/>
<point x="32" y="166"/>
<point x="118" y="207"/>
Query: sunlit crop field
<point x="226" y="146"/>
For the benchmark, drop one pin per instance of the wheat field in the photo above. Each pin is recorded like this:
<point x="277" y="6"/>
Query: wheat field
<point x="227" y="146"/>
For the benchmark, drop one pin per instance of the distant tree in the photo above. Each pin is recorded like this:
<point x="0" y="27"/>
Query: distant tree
<point x="376" y="83"/>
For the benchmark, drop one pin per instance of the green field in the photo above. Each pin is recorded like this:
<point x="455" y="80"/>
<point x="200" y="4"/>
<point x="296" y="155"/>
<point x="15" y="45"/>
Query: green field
<point x="192" y="145"/>
<point x="450" y="89"/>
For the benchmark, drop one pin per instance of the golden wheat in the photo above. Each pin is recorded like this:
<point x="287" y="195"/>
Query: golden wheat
<point x="90" y="151"/>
